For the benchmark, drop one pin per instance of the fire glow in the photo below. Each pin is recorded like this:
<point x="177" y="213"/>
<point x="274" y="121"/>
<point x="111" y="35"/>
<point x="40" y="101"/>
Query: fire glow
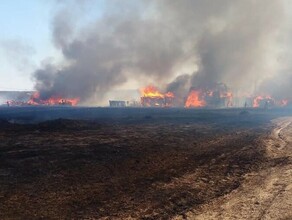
<point x="36" y="100"/>
<point x="152" y="97"/>
<point x="195" y="100"/>
<point x="284" y="102"/>
<point x="216" y="96"/>
<point x="267" y="100"/>
<point x="257" y="100"/>
<point x="153" y="92"/>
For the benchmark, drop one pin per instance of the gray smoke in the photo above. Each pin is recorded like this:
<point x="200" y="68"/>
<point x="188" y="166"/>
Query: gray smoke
<point x="18" y="53"/>
<point x="230" y="41"/>
<point x="279" y="85"/>
<point x="236" y="42"/>
<point x="180" y="87"/>
<point x="238" y="52"/>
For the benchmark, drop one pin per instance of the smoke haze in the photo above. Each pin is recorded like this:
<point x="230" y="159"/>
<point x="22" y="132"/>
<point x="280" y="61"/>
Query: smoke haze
<point x="231" y="41"/>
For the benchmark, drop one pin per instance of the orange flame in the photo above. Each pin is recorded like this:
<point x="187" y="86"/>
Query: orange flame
<point x="151" y="96"/>
<point x="284" y="102"/>
<point x="194" y="100"/>
<point x="229" y="97"/>
<point x="258" y="99"/>
<point x="36" y="100"/>
<point x="151" y="91"/>
<point x="169" y="95"/>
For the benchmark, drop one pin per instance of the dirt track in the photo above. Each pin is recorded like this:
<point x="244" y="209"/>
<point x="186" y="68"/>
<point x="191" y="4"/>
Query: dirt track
<point x="263" y="195"/>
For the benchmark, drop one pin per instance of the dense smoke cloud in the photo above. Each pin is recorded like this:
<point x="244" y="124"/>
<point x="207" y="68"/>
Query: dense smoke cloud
<point x="180" y="87"/>
<point x="279" y="85"/>
<point x="239" y="52"/>
<point x="230" y="41"/>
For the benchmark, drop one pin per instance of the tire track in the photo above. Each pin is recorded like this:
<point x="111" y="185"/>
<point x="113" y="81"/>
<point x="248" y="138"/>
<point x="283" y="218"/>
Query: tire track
<point x="265" y="194"/>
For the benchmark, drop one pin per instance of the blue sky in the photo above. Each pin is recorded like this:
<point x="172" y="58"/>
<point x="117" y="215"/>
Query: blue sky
<point x="27" y="25"/>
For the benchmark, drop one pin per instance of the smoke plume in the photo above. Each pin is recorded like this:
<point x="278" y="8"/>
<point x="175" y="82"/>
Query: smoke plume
<point x="230" y="41"/>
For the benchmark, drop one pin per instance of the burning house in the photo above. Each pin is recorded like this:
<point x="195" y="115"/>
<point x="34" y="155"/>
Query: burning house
<point x="152" y="97"/>
<point x="214" y="96"/>
<point x="217" y="96"/>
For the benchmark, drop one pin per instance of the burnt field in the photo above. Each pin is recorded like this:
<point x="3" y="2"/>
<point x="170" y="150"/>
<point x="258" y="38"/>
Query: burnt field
<point x="119" y="163"/>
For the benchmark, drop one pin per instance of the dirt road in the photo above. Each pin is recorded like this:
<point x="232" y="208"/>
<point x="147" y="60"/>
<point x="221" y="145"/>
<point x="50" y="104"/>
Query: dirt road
<point x="263" y="195"/>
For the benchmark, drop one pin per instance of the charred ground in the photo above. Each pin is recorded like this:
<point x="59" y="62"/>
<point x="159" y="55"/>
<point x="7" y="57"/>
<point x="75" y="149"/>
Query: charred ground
<point x="148" y="164"/>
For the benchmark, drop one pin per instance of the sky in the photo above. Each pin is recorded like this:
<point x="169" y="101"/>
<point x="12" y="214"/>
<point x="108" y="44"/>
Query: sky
<point x="26" y="38"/>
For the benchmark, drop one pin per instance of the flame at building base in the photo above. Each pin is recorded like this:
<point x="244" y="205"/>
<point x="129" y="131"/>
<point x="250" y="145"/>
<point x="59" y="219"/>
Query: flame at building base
<point x="54" y="100"/>
<point x="195" y="100"/>
<point x="266" y="101"/>
<point x="36" y="100"/>
<point x="152" y="97"/>
<point x="215" y="96"/>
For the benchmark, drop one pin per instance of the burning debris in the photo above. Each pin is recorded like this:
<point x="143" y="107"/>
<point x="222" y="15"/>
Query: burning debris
<point x="216" y="96"/>
<point x="266" y="101"/>
<point x="263" y="101"/>
<point x="36" y="100"/>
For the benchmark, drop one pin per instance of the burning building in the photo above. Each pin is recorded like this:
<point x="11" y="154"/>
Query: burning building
<point x="216" y="96"/>
<point x="152" y="97"/>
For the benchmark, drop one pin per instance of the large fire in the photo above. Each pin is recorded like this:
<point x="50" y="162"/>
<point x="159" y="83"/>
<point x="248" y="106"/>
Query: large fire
<point x="152" y="97"/>
<point x="36" y="100"/>
<point x="152" y="92"/>
<point x="195" y="99"/>
<point x="215" y="96"/>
